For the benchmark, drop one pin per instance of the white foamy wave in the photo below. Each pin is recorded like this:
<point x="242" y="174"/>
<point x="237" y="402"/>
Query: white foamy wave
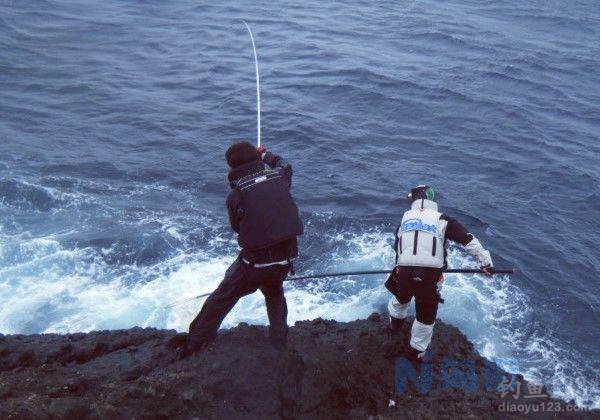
<point x="498" y="317"/>
<point x="47" y="288"/>
<point x="343" y="299"/>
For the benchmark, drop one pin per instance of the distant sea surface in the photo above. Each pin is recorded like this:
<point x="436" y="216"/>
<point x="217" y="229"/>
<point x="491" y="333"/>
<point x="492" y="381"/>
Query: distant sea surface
<point x="115" y="115"/>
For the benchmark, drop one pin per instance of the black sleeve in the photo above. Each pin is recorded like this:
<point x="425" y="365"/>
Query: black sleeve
<point x="278" y="163"/>
<point x="456" y="232"/>
<point x="233" y="208"/>
<point x="396" y="240"/>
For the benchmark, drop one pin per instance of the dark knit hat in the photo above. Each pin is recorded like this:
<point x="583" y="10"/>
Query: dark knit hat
<point x="240" y="153"/>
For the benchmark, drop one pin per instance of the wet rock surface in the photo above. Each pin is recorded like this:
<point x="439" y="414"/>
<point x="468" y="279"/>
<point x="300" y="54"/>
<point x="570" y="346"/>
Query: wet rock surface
<point x="329" y="370"/>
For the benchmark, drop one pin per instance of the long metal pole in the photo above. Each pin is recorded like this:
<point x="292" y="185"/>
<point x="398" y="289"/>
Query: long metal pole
<point x="360" y="273"/>
<point x="356" y="273"/>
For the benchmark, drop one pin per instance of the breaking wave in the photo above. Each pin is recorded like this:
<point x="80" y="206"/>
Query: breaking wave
<point x="46" y="287"/>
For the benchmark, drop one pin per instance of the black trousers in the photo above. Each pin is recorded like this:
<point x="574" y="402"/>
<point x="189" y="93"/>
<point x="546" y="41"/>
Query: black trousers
<point x="240" y="280"/>
<point x="420" y="283"/>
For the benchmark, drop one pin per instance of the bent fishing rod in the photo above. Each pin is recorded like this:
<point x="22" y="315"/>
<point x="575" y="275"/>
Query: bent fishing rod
<point x="258" y="140"/>
<point x="257" y="83"/>
<point x="367" y="272"/>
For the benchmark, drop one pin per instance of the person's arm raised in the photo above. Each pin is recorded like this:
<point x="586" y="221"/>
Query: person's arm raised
<point x="276" y="162"/>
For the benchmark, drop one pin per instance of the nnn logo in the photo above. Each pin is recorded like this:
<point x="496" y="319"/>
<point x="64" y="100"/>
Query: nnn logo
<point x="410" y="225"/>
<point x="449" y="374"/>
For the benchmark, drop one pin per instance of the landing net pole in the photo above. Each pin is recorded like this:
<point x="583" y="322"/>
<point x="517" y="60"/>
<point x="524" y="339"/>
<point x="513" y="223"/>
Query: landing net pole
<point x="356" y="273"/>
<point x="257" y="82"/>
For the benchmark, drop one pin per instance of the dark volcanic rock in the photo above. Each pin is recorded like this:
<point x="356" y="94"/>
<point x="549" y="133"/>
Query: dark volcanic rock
<point x="330" y="370"/>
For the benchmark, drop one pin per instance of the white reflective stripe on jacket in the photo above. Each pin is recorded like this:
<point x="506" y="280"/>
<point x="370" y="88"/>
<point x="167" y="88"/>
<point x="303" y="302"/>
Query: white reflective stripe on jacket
<point x="421" y="236"/>
<point x="283" y="262"/>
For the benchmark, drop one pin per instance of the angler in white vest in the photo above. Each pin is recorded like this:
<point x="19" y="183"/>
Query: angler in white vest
<point x="420" y="261"/>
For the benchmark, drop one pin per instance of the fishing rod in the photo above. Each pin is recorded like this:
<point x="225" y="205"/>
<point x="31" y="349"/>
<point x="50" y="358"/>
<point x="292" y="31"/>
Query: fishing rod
<point x="356" y="273"/>
<point x="368" y="272"/>
<point x="257" y="82"/>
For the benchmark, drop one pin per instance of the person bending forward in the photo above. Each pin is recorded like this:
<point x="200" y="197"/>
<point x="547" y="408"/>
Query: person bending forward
<point x="420" y="261"/>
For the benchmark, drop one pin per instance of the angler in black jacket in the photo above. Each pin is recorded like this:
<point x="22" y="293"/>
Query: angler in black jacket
<point x="265" y="217"/>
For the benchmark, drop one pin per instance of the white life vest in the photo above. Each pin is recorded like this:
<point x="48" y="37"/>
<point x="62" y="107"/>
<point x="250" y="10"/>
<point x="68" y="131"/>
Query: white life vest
<point x="421" y="236"/>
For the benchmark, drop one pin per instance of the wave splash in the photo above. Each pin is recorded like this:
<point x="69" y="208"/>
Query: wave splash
<point x="48" y="288"/>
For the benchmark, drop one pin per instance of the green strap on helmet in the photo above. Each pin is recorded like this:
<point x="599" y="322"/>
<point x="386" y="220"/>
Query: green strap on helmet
<point x="422" y="192"/>
<point x="430" y="193"/>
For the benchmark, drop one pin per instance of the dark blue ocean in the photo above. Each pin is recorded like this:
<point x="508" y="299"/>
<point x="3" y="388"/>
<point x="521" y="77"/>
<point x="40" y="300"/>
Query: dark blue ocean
<point x="115" y="116"/>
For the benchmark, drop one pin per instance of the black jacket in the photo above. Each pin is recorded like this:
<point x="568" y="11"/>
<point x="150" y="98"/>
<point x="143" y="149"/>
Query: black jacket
<point x="239" y="208"/>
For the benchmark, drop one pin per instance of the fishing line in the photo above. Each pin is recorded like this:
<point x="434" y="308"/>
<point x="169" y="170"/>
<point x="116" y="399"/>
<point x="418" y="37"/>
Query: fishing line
<point x="186" y="300"/>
